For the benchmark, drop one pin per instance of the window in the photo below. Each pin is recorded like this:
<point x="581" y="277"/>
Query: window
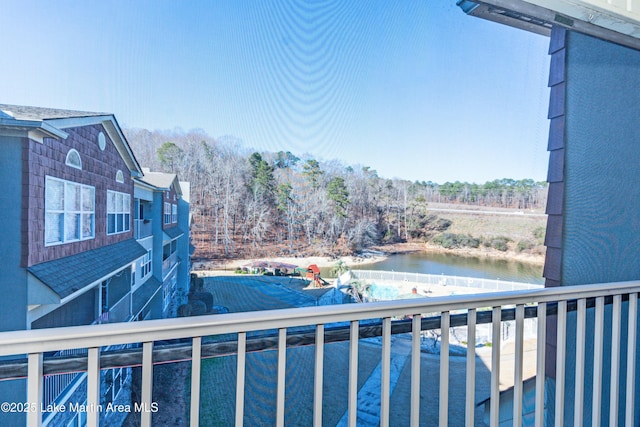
<point x="73" y="159"/>
<point x="167" y="213"/>
<point x="119" y="176"/>
<point x="174" y="213"/>
<point x="102" y="141"/>
<point x="145" y="266"/>
<point x="69" y="211"/>
<point x="118" y="212"/>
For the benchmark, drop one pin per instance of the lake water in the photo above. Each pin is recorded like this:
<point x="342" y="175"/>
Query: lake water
<point x="452" y="265"/>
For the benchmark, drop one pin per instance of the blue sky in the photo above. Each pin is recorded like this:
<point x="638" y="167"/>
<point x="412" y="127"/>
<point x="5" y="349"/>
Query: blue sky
<point x="414" y="89"/>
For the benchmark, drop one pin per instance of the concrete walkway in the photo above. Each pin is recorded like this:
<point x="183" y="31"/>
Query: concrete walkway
<point x="368" y="404"/>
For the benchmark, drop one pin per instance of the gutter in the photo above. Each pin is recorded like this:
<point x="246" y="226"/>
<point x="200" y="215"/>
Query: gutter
<point x="33" y="125"/>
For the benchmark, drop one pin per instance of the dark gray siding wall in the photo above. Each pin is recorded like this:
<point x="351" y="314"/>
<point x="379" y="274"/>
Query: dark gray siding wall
<point x="593" y="233"/>
<point x="157" y="229"/>
<point x="13" y="279"/>
<point x="602" y="158"/>
<point x="13" y="282"/>
<point x="98" y="169"/>
<point x="184" y="269"/>
<point x="80" y="311"/>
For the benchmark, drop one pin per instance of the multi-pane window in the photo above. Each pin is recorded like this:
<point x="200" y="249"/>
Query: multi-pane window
<point x="167" y="213"/>
<point x="170" y="213"/>
<point x="69" y="211"/>
<point x="118" y="212"/>
<point x="146" y="264"/>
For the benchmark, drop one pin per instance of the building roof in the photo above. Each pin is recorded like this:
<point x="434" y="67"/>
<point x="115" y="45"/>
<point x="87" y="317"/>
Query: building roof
<point x="70" y="274"/>
<point x="173" y="233"/>
<point x="42" y="122"/>
<point x="24" y="112"/>
<point x="161" y="180"/>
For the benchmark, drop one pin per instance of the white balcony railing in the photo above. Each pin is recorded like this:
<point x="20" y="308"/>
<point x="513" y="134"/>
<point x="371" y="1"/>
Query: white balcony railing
<point x="552" y="303"/>
<point x="55" y="385"/>
<point x="168" y="264"/>
<point x="142" y="228"/>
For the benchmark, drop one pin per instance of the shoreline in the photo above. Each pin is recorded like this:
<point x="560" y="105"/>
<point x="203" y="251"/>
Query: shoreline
<point x="372" y="256"/>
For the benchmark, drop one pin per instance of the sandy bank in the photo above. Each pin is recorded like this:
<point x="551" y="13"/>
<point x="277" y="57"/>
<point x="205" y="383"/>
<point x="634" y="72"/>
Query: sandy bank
<point x="209" y="268"/>
<point x="376" y="254"/>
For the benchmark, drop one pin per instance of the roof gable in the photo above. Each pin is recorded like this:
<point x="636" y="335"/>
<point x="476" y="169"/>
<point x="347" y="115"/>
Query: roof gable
<point x="163" y="181"/>
<point x="58" y="119"/>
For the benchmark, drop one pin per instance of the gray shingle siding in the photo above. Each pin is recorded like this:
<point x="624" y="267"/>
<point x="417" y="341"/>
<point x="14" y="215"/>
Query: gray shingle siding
<point x="98" y="170"/>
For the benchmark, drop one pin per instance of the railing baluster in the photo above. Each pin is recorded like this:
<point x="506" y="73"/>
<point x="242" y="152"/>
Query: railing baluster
<point x="240" y="377"/>
<point x="147" y="383"/>
<point x="494" y="413"/>
<point x="631" y="358"/>
<point x="581" y="327"/>
<point x="104" y="336"/>
<point x="518" y="360"/>
<point x="385" y="372"/>
<point x="93" y="386"/>
<point x="598" y="340"/>
<point x="353" y="373"/>
<point x="282" y="370"/>
<point x="560" y="361"/>
<point x="471" y="368"/>
<point x="615" y="360"/>
<point x="416" y="327"/>
<point x="196" y="362"/>
<point x="540" y="363"/>
<point x="34" y="389"/>
<point x="319" y="373"/>
<point x="444" y="369"/>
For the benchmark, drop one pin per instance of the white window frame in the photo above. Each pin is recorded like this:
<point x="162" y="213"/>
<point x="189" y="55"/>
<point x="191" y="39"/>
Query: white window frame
<point x="145" y="264"/>
<point x="174" y="213"/>
<point x="72" y="156"/>
<point x="102" y="141"/>
<point x="84" y="212"/>
<point x="119" y="177"/>
<point x="118" y="206"/>
<point x="167" y="213"/>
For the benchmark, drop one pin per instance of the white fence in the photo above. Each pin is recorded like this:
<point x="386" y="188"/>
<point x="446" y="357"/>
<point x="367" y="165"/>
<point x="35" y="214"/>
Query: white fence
<point x="442" y="280"/>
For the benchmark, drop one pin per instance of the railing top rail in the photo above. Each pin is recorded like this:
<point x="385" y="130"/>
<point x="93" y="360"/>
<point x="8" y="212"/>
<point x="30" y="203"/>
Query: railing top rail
<point x="43" y="340"/>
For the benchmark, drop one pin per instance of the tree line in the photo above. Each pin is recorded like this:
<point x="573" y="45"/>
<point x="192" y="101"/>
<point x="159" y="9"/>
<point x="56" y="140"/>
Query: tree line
<point x="248" y="203"/>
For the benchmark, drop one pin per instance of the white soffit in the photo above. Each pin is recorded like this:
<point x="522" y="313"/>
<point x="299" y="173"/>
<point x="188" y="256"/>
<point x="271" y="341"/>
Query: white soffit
<point x="622" y="16"/>
<point x="616" y="20"/>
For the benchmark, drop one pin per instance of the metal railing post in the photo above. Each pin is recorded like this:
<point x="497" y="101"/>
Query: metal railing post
<point x="196" y="362"/>
<point x="34" y="390"/>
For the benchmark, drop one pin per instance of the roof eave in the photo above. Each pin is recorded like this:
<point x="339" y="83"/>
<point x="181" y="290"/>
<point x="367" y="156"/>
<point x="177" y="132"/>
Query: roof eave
<point x="595" y="18"/>
<point x="42" y="127"/>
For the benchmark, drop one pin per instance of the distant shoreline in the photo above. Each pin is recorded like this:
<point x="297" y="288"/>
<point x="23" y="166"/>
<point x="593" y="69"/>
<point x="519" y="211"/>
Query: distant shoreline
<point x="371" y="256"/>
